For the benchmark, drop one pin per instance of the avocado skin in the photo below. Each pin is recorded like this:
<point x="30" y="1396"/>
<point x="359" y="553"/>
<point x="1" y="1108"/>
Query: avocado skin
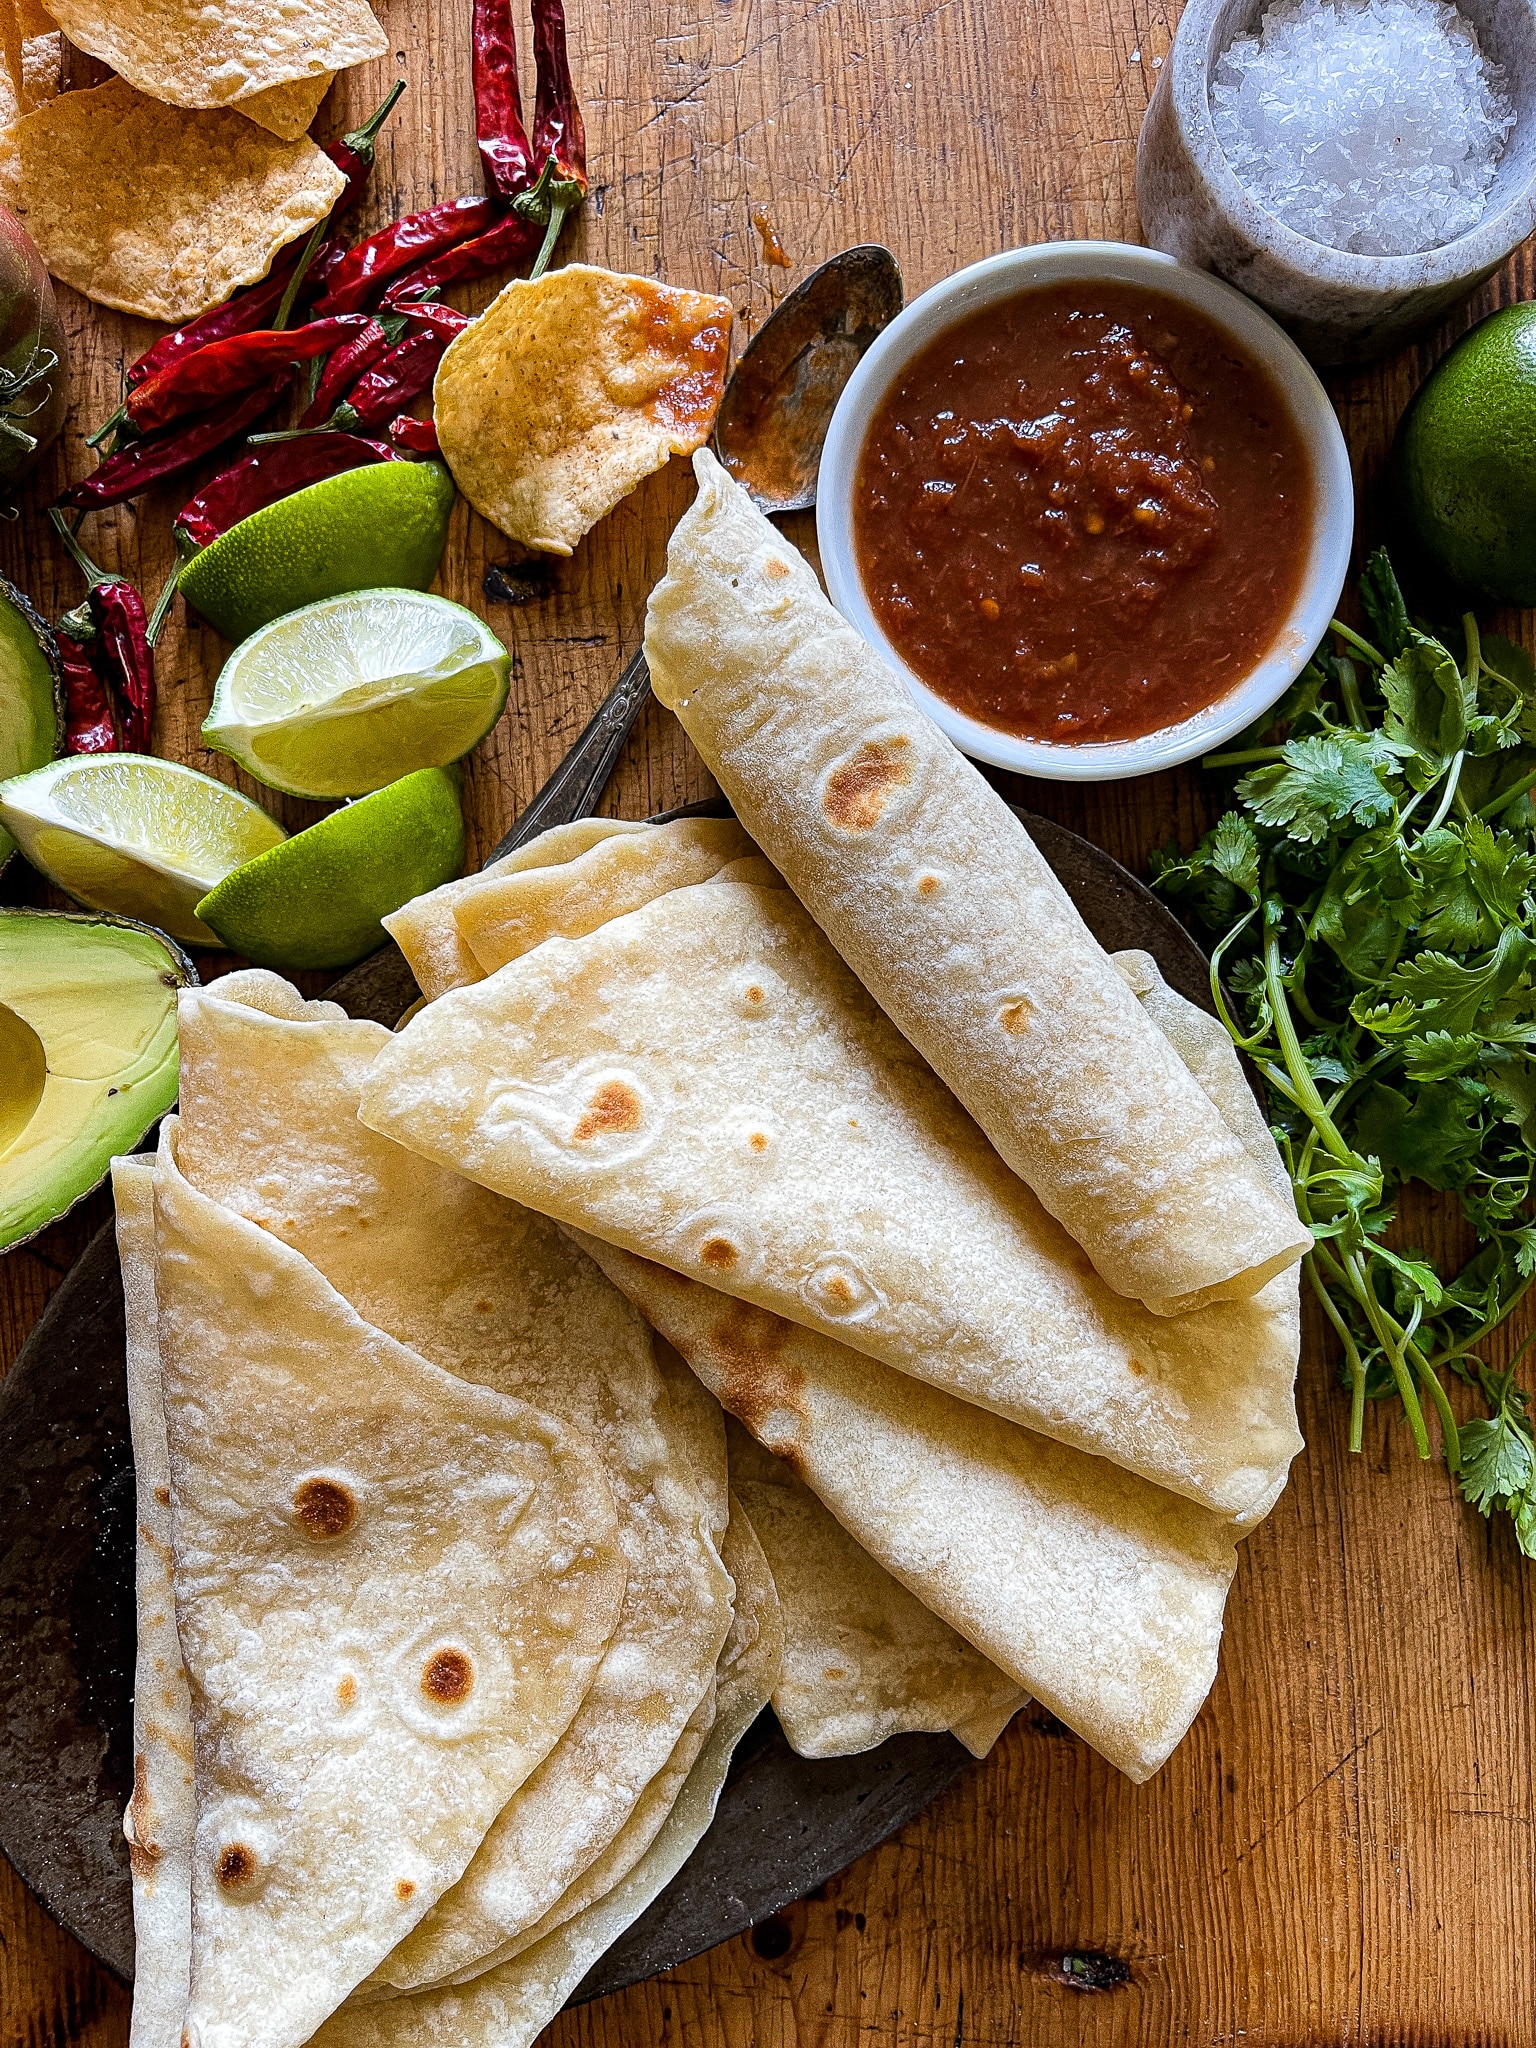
<point x="71" y="985"/>
<point x="19" y="616"/>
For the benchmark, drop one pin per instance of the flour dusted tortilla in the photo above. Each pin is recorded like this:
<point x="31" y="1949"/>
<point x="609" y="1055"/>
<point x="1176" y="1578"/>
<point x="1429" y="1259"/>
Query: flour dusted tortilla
<point x="393" y="1590"/>
<point x="863" y="1659"/>
<point x="509" y="2007"/>
<point x="497" y="1295"/>
<point x="425" y="931"/>
<point x="514" y="913"/>
<point x="160" y="1816"/>
<point x="934" y="894"/>
<point x="704" y="1083"/>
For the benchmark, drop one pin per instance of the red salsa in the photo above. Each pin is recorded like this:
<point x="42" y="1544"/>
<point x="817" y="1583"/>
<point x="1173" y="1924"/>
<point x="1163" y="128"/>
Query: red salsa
<point x="1083" y="514"/>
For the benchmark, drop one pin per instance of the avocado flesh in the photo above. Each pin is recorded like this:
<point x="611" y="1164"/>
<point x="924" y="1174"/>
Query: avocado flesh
<point x="31" y="694"/>
<point x="87" y="1054"/>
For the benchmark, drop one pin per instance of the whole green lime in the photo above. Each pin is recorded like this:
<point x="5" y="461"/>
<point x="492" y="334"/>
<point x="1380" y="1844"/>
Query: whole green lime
<point x="320" y="904"/>
<point x="382" y="526"/>
<point x="1465" y="460"/>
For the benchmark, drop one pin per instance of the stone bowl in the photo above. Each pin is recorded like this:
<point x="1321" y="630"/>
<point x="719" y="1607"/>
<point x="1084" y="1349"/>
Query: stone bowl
<point x="1341" y="308"/>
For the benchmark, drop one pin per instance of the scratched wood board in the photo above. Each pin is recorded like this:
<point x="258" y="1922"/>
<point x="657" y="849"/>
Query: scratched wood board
<point x="1343" y="1848"/>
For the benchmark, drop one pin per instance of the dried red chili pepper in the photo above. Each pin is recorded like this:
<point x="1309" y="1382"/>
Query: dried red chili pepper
<point x="348" y="363"/>
<point x="507" y="244"/>
<point x="415" y="239"/>
<point x="161" y="456"/>
<point x="267" y="474"/>
<point x="226" y="368"/>
<point x="89" y="727"/>
<point x="353" y="153"/>
<point x="503" y="140"/>
<point x="386" y="390"/>
<point x="420" y="436"/>
<point x="122" y="656"/>
<point x="247" y="310"/>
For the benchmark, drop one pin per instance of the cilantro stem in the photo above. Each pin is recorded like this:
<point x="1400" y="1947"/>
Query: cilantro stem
<point x="1352" y="639"/>
<point x="1248" y="758"/>
<point x="1306" y="1091"/>
<point x="1376" y="1316"/>
<point x="1447" y="794"/>
<point x="1502" y="803"/>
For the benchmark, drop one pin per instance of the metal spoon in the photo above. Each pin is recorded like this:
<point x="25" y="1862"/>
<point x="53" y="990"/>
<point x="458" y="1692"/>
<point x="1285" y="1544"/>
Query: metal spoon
<point x="773" y="421"/>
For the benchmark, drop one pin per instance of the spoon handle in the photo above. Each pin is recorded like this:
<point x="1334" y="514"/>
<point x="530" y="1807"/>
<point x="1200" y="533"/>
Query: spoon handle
<point x="579" y="781"/>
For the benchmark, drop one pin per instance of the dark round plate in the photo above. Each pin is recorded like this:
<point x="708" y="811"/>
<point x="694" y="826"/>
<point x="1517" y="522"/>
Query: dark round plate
<point x="784" y="1825"/>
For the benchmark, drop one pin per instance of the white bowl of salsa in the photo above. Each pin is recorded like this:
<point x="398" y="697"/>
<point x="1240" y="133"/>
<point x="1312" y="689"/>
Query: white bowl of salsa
<point x="1093" y="506"/>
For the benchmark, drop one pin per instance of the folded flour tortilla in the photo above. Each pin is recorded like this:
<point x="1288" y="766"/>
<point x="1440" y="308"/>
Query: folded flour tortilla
<point x="160" y="1815"/>
<point x="863" y="1659"/>
<point x="702" y="1082"/>
<point x="393" y="1590"/>
<point x="494" y="1294"/>
<point x="935" y="895"/>
<point x="425" y="931"/>
<point x="509" y="2006"/>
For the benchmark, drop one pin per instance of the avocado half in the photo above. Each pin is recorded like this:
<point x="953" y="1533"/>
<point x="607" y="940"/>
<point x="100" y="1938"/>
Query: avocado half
<point x="87" y="1054"/>
<point x="31" y="694"/>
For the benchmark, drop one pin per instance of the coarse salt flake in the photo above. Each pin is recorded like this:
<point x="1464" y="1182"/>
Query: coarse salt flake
<point x="1374" y="126"/>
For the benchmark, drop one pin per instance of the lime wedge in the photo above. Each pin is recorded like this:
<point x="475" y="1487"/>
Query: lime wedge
<point x="316" y="900"/>
<point x="386" y="524"/>
<point x="352" y="693"/>
<point x="141" y="837"/>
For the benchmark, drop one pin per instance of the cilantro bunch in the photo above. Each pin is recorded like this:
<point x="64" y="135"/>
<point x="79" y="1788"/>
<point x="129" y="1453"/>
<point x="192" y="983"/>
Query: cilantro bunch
<point x="1374" y="893"/>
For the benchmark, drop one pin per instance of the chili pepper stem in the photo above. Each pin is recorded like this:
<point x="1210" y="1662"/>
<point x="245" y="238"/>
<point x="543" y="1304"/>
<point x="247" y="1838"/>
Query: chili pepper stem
<point x="167" y="597"/>
<point x="557" y="216"/>
<point x="362" y="139"/>
<point x="300" y="271"/>
<point x="108" y="426"/>
<point x="87" y="567"/>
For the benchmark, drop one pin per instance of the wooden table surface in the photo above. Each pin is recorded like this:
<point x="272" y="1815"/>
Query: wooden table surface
<point x="1342" y="1849"/>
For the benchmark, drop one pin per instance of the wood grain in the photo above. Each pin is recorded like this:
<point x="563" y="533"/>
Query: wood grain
<point x="1343" y="1850"/>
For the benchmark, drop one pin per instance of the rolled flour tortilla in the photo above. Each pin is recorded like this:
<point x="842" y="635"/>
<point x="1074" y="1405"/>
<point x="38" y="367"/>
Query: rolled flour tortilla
<point x="934" y="894"/>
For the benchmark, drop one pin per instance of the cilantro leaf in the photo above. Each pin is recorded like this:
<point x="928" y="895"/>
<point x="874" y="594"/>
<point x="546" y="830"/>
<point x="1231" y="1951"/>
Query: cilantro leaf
<point x="1432" y="1138"/>
<point x="1496" y="1461"/>
<point x="1455" y="996"/>
<point x="1437" y="1055"/>
<point x="1382" y="602"/>
<point x="1499" y="871"/>
<point x="1234" y="851"/>
<point x="1323" y="782"/>
<point x="1429" y="705"/>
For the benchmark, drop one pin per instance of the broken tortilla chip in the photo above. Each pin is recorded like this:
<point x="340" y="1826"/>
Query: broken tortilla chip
<point x="214" y="56"/>
<point x="287" y="110"/>
<point x="570" y="389"/>
<point x="158" y="211"/>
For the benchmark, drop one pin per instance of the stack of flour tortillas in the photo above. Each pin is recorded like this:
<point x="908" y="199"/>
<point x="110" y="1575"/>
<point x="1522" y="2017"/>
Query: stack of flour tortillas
<point x="456" y="1588"/>
<point x="163" y="190"/>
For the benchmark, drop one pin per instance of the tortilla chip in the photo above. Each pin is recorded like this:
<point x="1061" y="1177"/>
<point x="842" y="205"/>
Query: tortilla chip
<point x="162" y="212"/>
<point x="214" y="56"/>
<point x="287" y="110"/>
<point x="863" y="1659"/>
<point x="570" y="389"/>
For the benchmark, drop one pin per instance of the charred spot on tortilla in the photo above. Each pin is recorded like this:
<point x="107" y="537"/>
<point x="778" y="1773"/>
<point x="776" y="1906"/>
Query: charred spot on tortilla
<point x="235" y="1866"/>
<point x="777" y="568"/>
<point x="484" y="1305"/>
<point x="615" y="1108"/>
<point x="163" y="1495"/>
<point x="718" y="1253"/>
<point x="858" y="789"/>
<point x="447" y="1677"/>
<point x="1015" y="1014"/>
<point x="404" y="1889"/>
<point x="756" y="1384"/>
<point x="346" y="1692"/>
<point x="326" y="1509"/>
<point x="759" y="1141"/>
<point x="754" y="995"/>
<point x="929" y="885"/>
<point x="143" y="1851"/>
